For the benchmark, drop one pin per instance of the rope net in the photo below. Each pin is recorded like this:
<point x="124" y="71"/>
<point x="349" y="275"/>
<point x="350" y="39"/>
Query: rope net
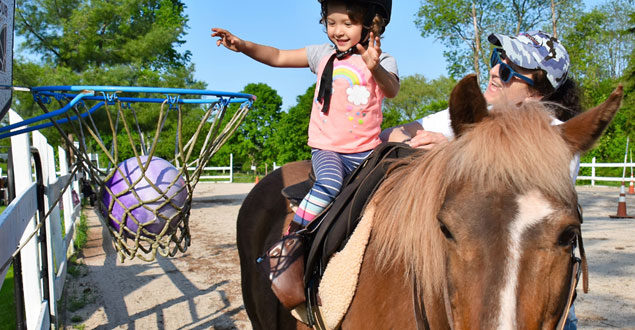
<point x="142" y="196"/>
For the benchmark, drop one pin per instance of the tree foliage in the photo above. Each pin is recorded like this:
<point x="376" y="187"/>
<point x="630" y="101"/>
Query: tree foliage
<point x="253" y="143"/>
<point x="415" y="97"/>
<point x="452" y="23"/>
<point x="601" y="44"/>
<point x="292" y="132"/>
<point x="103" y="42"/>
<point x="79" y="34"/>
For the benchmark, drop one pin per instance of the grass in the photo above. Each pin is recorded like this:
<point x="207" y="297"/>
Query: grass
<point x="7" y="300"/>
<point x="75" y="303"/>
<point x="238" y="178"/>
<point x="81" y="233"/>
<point x="7" y="303"/>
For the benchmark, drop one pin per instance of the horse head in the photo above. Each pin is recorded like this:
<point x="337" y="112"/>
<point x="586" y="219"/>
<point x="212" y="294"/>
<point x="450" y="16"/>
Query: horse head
<point x="487" y="224"/>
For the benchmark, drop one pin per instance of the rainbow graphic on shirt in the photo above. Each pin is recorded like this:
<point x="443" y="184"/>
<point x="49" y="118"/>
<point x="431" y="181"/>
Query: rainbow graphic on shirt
<point x="348" y="73"/>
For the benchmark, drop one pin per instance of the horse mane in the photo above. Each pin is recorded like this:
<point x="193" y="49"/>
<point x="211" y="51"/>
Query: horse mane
<point x="514" y="148"/>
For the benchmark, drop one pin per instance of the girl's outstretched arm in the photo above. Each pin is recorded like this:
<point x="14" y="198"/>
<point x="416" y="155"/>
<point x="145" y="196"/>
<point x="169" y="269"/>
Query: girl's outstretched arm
<point x="271" y="56"/>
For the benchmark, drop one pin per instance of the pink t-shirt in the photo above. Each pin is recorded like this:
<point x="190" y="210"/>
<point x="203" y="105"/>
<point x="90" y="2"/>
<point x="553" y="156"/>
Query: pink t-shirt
<point x="354" y="118"/>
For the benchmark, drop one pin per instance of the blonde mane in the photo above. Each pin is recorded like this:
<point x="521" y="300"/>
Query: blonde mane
<point x="515" y="149"/>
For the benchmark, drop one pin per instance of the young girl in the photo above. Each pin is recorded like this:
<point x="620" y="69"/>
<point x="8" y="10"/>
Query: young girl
<point x="354" y="77"/>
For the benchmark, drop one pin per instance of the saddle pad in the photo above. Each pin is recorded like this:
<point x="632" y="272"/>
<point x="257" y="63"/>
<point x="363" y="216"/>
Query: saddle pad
<point x="339" y="282"/>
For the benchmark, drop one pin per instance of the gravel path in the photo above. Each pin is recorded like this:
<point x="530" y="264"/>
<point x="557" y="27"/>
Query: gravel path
<point x="610" y="250"/>
<point x="201" y="288"/>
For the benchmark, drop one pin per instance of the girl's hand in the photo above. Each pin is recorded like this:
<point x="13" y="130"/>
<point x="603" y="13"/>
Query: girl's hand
<point x="427" y="140"/>
<point x="371" y="54"/>
<point x="227" y="39"/>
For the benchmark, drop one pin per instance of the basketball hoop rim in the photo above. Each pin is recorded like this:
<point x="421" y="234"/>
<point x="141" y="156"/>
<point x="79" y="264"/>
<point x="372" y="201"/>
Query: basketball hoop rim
<point x="140" y="89"/>
<point x="110" y="94"/>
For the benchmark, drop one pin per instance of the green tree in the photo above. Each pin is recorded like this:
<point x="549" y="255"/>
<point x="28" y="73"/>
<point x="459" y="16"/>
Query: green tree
<point x="253" y="143"/>
<point x="463" y="26"/>
<point x="292" y="132"/>
<point x="103" y="42"/>
<point x="599" y="49"/>
<point x="79" y="34"/>
<point x="415" y="96"/>
<point x="610" y="147"/>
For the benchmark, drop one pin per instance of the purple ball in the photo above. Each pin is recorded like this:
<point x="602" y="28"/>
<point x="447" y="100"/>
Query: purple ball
<point x="161" y="173"/>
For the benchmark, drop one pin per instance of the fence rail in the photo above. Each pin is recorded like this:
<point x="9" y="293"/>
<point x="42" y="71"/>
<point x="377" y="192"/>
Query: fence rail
<point x="593" y="177"/>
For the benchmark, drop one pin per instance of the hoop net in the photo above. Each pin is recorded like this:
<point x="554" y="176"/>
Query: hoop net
<point x="143" y="200"/>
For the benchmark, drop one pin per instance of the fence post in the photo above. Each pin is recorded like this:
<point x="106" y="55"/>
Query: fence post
<point x="231" y="168"/>
<point x="54" y="242"/>
<point x="29" y="256"/>
<point x="69" y="207"/>
<point x="593" y="172"/>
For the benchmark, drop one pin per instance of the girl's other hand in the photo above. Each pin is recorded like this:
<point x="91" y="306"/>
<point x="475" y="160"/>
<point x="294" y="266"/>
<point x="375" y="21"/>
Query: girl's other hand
<point x="371" y="54"/>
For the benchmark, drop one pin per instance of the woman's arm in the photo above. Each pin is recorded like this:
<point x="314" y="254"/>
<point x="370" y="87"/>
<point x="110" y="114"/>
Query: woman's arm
<point x="414" y="135"/>
<point x="401" y="133"/>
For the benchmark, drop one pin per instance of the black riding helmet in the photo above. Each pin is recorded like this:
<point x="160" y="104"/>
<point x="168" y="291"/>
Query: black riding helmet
<point x="375" y="7"/>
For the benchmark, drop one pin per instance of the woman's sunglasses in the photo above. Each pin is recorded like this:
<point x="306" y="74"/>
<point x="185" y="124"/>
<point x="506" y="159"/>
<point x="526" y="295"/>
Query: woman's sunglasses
<point x="505" y="72"/>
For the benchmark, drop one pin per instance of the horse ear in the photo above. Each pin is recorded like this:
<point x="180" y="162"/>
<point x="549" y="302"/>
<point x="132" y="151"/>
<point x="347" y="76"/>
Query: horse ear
<point x="467" y="104"/>
<point x="583" y="130"/>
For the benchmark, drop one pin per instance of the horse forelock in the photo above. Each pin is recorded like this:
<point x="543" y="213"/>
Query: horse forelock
<point x="514" y="149"/>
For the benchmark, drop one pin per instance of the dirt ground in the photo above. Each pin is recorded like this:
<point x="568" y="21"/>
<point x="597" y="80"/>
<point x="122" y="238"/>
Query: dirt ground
<point x="200" y="289"/>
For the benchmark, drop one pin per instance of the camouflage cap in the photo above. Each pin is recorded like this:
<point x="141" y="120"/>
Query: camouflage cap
<point x="536" y="50"/>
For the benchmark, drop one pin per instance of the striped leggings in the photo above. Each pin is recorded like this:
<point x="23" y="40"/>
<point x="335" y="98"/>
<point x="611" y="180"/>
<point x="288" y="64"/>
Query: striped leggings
<point x="330" y="169"/>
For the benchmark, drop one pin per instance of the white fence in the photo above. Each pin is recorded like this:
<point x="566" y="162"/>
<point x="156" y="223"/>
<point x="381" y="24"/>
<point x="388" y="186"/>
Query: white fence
<point x="593" y="165"/>
<point x="227" y="171"/>
<point x="32" y="223"/>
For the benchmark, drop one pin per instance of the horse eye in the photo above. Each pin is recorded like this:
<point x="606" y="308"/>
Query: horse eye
<point x="446" y="232"/>
<point x="567" y="236"/>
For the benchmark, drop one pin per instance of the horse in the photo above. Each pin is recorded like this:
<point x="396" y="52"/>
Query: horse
<point x="477" y="233"/>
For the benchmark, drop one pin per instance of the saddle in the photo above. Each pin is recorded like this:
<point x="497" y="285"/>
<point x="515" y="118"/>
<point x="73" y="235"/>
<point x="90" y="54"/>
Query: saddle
<point x="329" y="232"/>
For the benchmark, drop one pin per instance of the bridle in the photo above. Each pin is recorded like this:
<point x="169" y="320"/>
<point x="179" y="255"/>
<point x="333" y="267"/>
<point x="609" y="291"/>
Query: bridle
<point x="576" y="270"/>
<point x="578" y="266"/>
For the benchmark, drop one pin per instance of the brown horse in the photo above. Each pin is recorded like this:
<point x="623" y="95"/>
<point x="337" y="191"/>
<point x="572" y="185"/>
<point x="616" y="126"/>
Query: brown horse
<point x="475" y="234"/>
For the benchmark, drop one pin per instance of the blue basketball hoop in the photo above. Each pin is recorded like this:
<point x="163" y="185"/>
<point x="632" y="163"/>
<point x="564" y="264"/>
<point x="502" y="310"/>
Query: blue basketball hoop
<point x="141" y="224"/>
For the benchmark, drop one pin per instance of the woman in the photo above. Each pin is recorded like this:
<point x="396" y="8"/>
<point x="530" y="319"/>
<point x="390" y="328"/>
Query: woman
<point x="530" y="66"/>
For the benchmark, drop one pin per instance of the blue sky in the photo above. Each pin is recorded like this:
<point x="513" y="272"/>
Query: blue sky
<point x="291" y="24"/>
